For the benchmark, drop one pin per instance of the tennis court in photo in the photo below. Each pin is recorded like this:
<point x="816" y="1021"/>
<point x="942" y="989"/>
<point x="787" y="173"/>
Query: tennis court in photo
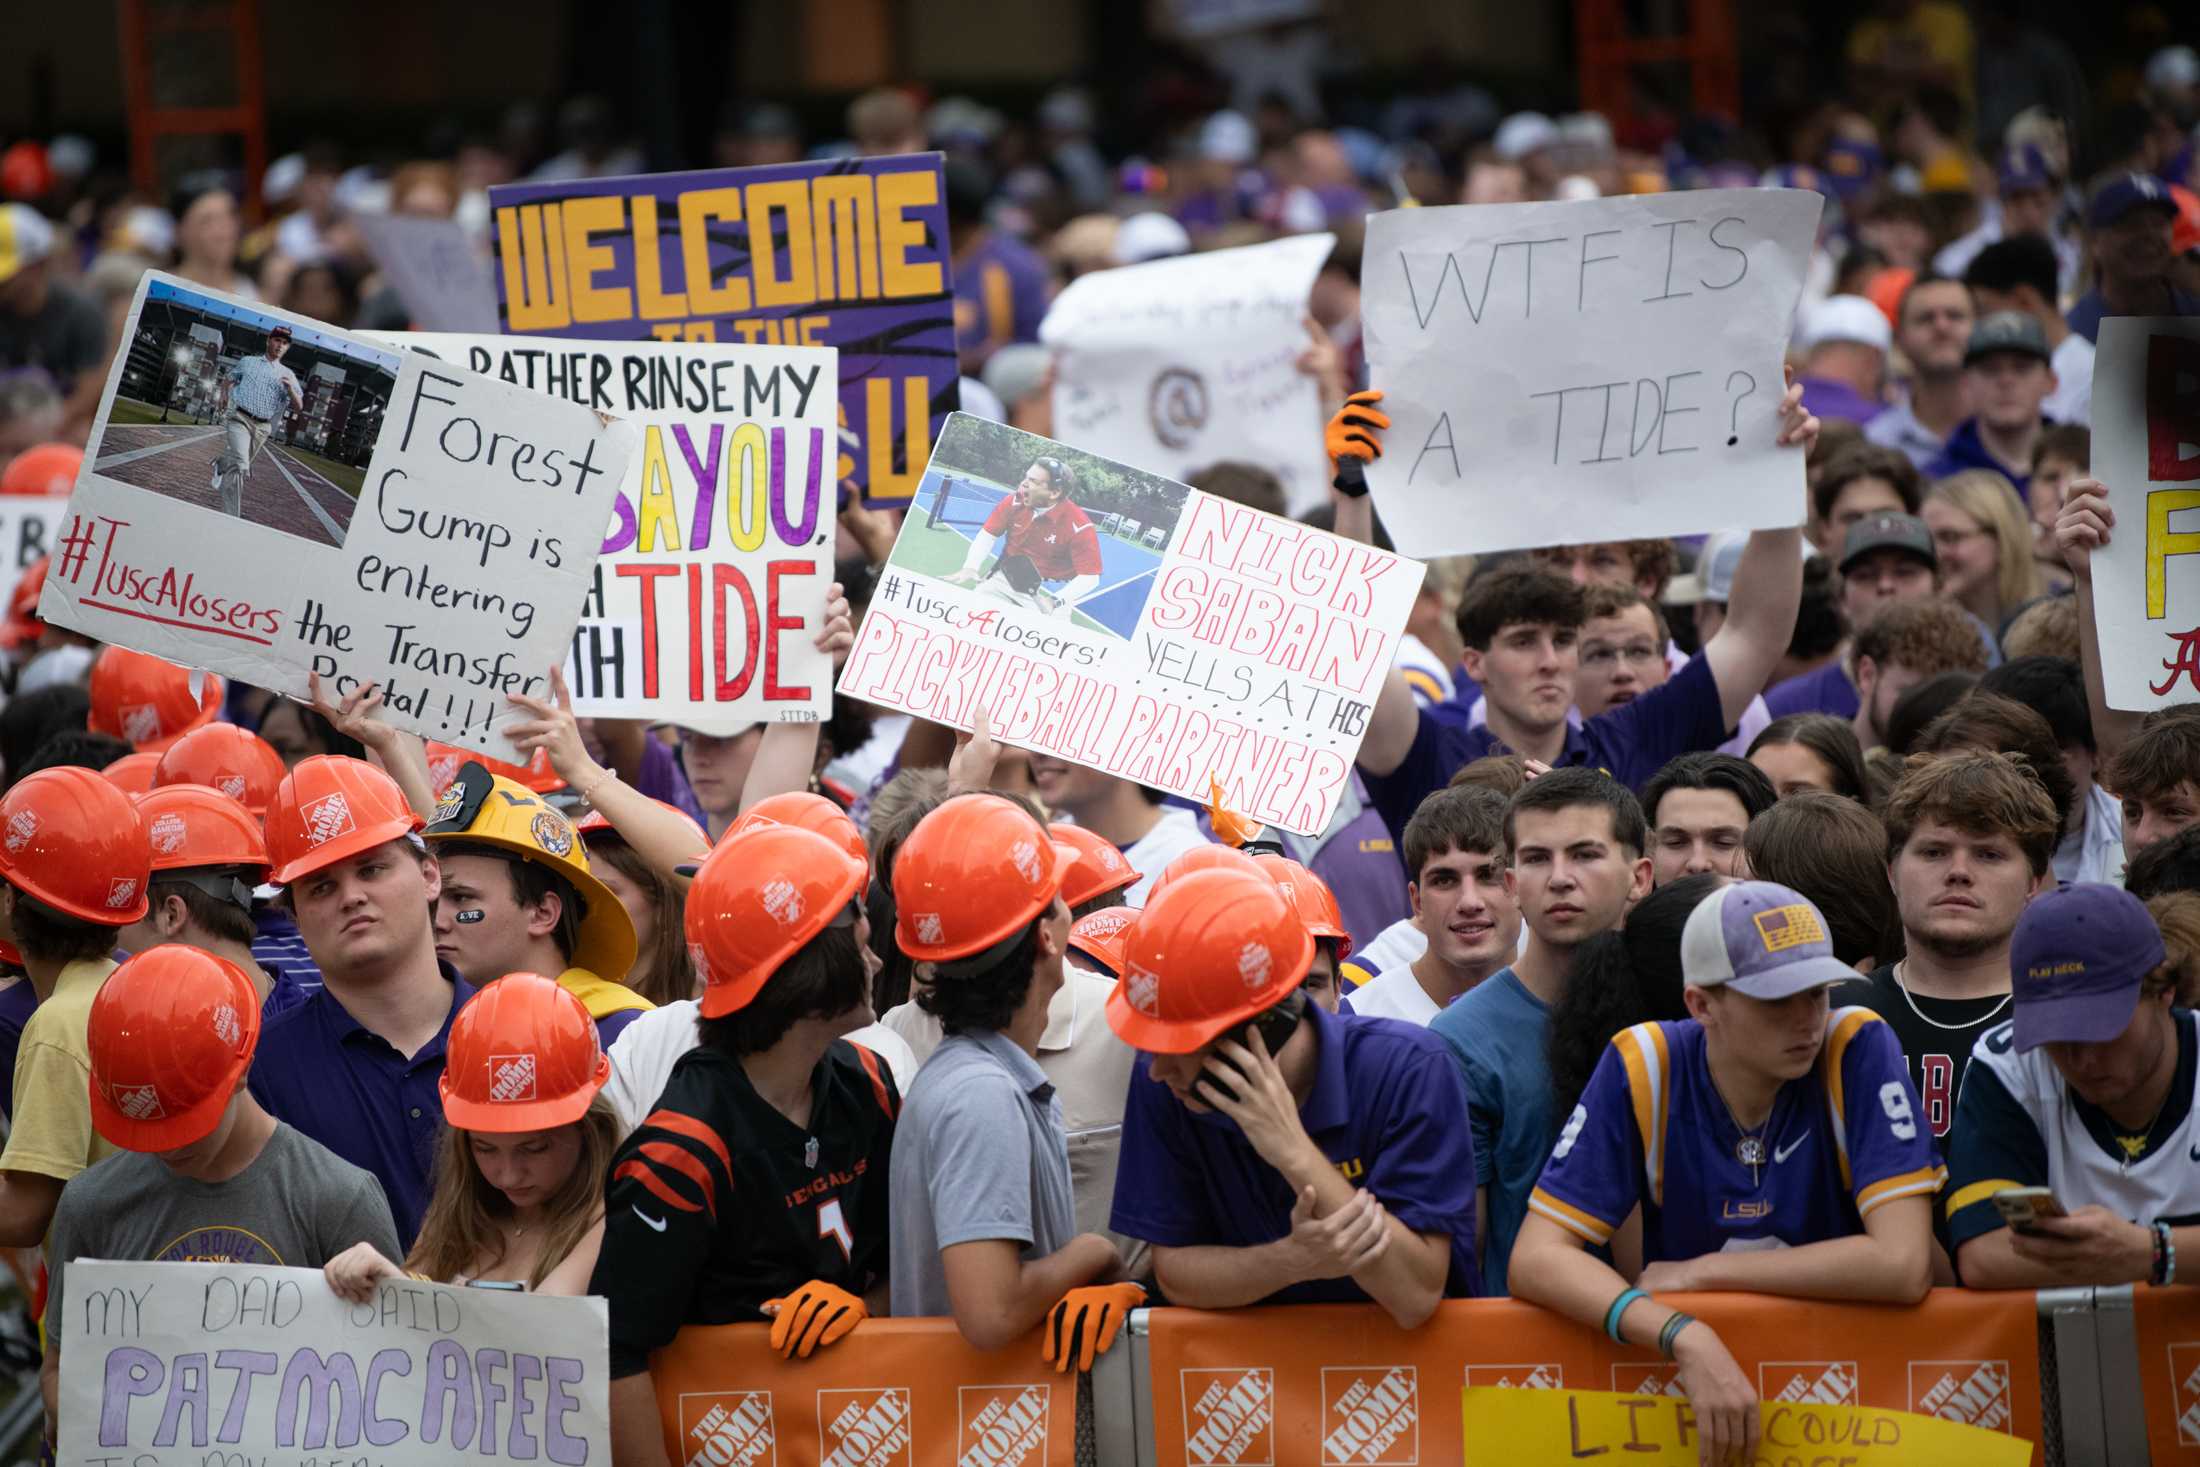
<point x="950" y="510"/>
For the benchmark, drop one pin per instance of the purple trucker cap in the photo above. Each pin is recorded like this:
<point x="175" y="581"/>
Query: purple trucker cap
<point x="2076" y="961"/>
<point x="1759" y="938"/>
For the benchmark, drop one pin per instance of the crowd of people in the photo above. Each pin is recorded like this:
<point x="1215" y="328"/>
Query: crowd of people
<point x="1783" y="913"/>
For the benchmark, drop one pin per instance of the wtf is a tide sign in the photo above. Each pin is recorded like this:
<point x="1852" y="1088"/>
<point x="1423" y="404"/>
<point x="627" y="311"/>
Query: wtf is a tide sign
<point x="1613" y="363"/>
<point x="2146" y="580"/>
<point x="711" y="585"/>
<point x="847" y="252"/>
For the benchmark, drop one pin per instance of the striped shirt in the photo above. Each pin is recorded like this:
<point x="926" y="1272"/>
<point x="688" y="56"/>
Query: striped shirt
<point x="261" y="387"/>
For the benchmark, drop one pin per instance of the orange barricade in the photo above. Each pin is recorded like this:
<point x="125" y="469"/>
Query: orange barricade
<point x="2168" y="1326"/>
<point x="1332" y="1385"/>
<point x="896" y="1393"/>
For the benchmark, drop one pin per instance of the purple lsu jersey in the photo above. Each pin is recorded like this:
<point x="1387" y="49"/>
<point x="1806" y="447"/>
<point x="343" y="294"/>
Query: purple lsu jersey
<point x="1651" y="1129"/>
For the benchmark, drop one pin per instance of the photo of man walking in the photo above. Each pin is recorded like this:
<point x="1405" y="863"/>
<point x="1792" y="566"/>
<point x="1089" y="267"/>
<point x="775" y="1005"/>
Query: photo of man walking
<point x="256" y="392"/>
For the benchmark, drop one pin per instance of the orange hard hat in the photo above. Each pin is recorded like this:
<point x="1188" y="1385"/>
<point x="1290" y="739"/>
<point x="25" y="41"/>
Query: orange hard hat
<point x="48" y="469"/>
<point x="523" y="1056"/>
<point x="70" y="839"/>
<point x="132" y="773"/>
<point x="1215" y="949"/>
<point x="1099" y="935"/>
<point x="147" y="702"/>
<point x="224" y="757"/>
<point x="972" y="875"/>
<point x="171" y="1035"/>
<point x="23" y="624"/>
<point x="445" y="760"/>
<point x="810" y="812"/>
<point x="331" y="808"/>
<point x="1209" y="857"/>
<point x="190" y="825"/>
<point x="761" y="895"/>
<point x="1100" y="867"/>
<point x="1316" y="903"/>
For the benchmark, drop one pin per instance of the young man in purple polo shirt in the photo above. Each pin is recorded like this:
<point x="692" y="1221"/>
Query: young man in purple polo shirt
<point x="1273" y="1153"/>
<point x="356" y="1067"/>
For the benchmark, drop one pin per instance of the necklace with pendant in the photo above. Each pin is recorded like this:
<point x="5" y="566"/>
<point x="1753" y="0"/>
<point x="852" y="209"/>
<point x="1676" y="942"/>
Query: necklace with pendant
<point x="1749" y="1148"/>
<point x="809" y="1154"/>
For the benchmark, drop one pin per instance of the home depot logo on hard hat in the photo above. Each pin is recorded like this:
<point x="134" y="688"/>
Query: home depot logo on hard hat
<point x="328" y="818"/>
<point x="929" y="929"/>
<point x="121" y="892"/>
<point x="1143" y="991"/>
<point x="231" y="785"/>
<point x="1974" y="1392"/>
<point x="866" y="1428"/>
<point x="138" y="1102"/>
<point x="511" y="1077"/>
<point x="732" y="1429"/>
<point x="1025" y="856"/>
<point x="226" y="1026"/>
<point x="22" y="825"/>
<point x="700" y="960"/>
<point x="167" y="834"/>
<point x="140" y="723"/>
<point x="782" y="902"/>
<point x="1001" y="1426"/>
<point x="1254" y="964"/>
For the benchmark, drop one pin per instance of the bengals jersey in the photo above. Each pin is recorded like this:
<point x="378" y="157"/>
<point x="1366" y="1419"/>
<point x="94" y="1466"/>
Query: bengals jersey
<point x="1651" y="1128"/>
<point x="718" y="1202"/>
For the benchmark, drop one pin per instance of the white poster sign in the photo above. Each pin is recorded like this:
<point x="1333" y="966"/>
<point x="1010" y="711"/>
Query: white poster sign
<point x="2146" y="449"/>
<point x="1117" y="620"/>
<point x="1607" y="370"/>
<point x="267" y="511"/>
<point x="29" y="527"/>
<point x="1177" y="364"/>
<point x="436" y="270"/>
<point x="220" y="1363"/>
<point x="710" y="590"/>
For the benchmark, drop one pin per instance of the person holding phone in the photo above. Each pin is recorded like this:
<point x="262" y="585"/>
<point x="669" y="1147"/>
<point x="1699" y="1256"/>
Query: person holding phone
<point x="1274" y="1153"/>
<point x="2088" y="1091"/>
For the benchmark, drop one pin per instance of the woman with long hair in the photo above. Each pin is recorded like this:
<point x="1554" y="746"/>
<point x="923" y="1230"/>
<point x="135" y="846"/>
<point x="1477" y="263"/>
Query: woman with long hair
<point x="1631" y="975"/>
<point x="1985" y="544"/>
<point x="663" y="972"/>
<point x="1812" y="751"/>
<point x="519" y="1186"/>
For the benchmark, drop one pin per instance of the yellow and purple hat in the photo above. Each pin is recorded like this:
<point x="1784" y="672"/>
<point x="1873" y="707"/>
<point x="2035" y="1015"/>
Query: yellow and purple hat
<point x="1759" y="938"/>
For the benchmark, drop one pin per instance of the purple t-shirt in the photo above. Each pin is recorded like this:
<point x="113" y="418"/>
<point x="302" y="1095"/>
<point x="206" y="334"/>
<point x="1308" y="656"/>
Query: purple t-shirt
<point x="17" y="1002"/>
<point x="1630" y="742"/>
<point x="1826" y="690"/>
<point x="662" y="778"/>
<point x="1000" y="297"/>
<point x="1387" y="1109"/>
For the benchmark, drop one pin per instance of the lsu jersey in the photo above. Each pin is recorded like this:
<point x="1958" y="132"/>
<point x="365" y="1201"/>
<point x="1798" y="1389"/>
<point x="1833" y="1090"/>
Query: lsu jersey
<point x="717" y="1202"/>
<point x="2019" y="1124"/>
<point x="1651" y="1129"/>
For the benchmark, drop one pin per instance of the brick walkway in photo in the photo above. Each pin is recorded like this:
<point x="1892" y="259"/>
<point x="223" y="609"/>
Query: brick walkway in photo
<point x="178" y="460"/>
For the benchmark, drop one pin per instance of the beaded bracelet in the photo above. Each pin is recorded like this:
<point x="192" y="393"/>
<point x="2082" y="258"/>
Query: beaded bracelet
<point x="1619" y="1307"/>
<point x="2165" y="1255"/>
<point x="1674" y="1324"/>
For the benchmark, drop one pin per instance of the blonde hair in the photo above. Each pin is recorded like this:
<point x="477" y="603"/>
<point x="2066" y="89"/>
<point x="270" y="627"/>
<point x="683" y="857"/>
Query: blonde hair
<point x="2044" y="629"/>
<point x="462" y="1234"/>
<point x="1991" y="502"/>
<point x="2177" y="914"/>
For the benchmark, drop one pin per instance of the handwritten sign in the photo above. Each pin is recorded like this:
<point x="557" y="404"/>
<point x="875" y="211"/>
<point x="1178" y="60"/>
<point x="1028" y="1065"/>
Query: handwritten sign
<point x="710" y="590"/>
<point x="29" y="528"/>
<point x="167" y="1363"/>
<point x="1608" y="369"/>
<point x="1120" y="621"/>
<point x="2146" y="580"/>
<point x="396" y="519"/>
<point x="858" y="261"/>
<point x="1503" y="1423"/>
<point x="436" y="270"/>
<point x="1178" y="364"/>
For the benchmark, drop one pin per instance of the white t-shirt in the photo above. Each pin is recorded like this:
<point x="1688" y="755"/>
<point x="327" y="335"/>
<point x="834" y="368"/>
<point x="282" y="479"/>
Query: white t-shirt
<point x="1393" y="993"/>
<point x="643" y="1055"/>
<point x="2072" y="399"/>
<point x="1176" y="832"/>
<point x="1399" y="945"/>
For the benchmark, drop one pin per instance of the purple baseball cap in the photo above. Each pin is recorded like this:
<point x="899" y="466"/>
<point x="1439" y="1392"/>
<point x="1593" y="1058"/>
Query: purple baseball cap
<point x="2076" y="961"/>
<point x="1759" y="938"/>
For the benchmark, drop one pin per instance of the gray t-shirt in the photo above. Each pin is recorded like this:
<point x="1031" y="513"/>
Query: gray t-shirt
<point x="979" y="1154"/>
<point x="297" y="1205"/>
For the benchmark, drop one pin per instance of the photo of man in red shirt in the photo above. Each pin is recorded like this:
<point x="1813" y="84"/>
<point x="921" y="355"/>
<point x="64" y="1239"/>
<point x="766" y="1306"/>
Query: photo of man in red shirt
<point x="1036" y="535"/>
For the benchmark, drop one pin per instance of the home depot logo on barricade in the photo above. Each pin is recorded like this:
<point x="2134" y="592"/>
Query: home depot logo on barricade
<point x="1813" y="1382"/>
<point x="728" y="1429"/>
<point x="1002" y="1426"/>
<point x="1647" y="1378"/>
<point x="1371" y="1416"/>
<point x="1518" y="1377"/>
<point x="1229" y="1417"/>
<point x="2184" y="1387"/>
<point x="1974" y="1392"/>
<point x="864" y="1428"/>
